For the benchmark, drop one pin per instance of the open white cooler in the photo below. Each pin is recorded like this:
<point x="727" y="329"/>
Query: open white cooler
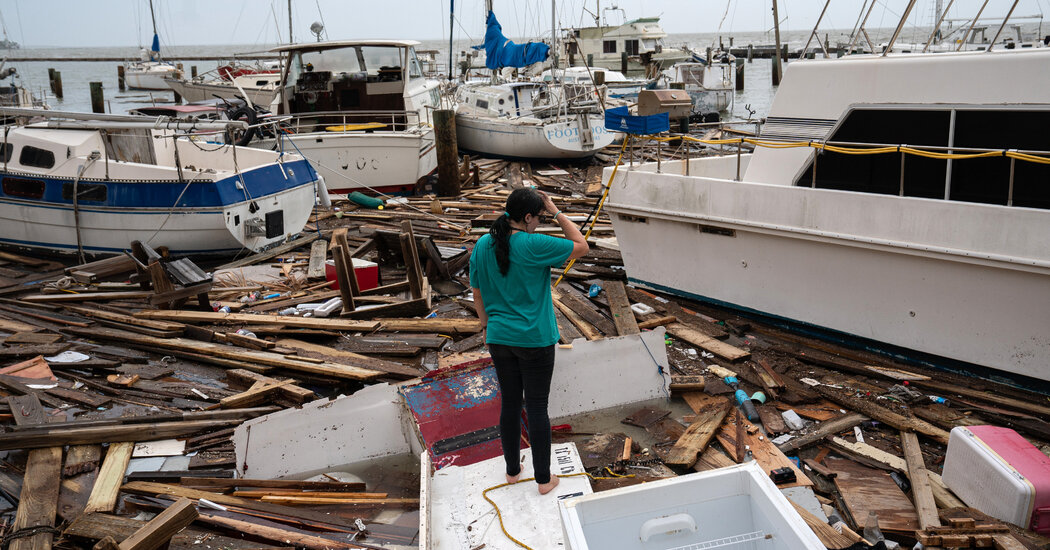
<point x="998" y="472"/>
<point x="736" y="507"/>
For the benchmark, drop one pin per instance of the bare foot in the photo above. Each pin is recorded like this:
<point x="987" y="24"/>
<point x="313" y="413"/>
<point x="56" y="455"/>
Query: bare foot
<point x="511" y="480"/>
<point x="549" y="486"/>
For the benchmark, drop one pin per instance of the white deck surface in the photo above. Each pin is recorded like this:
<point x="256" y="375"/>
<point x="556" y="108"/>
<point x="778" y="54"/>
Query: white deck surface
<point x="462" y="518"/>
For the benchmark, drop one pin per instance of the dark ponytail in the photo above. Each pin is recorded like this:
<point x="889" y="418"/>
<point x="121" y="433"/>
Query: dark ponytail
<point x="520" y="202"/>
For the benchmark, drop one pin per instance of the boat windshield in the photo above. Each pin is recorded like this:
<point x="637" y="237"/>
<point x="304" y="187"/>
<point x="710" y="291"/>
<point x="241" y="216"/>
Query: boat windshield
<point x="370" y="60"/>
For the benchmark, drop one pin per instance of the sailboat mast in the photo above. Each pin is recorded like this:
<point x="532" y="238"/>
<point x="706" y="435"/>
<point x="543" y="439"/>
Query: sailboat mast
<point x="290" y="40"/>
<point x="554" y="38"/>
<point x="451" y="24"/>
<point x="153" y="16"/>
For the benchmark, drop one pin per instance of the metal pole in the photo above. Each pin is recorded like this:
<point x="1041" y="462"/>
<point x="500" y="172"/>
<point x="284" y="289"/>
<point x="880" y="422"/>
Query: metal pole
<point x="814" y="33"/>
<point x="451" y="23"/>
<point x="860" y="30"/>
<point x="1000" y="31"/>
<point x="937" y="27"/>
<point x="966" y="36"/>
<point x="900" y="27"/>
<point x="290" y="39"/>
<point x="813" y="181"/>
<point x="948" y="167"/>
<point x="1010" y="191"/>
<point x="902" y="172"/>
<point x="777" y="67"/>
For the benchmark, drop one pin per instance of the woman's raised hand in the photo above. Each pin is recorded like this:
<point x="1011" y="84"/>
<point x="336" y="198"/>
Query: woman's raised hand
<point x="548" y="204"/>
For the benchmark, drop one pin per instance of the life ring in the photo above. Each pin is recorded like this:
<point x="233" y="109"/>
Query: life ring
<point x="249" y="116"/>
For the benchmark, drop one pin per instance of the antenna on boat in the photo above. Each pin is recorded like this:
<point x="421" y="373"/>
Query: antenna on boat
<point x="317" y="28"/>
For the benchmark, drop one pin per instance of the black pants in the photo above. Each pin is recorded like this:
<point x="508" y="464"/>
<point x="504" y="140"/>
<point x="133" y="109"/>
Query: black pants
<point x="525" y="373"/>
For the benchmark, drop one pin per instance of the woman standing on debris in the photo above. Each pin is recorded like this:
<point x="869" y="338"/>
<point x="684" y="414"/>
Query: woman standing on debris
<point x="511" y="268"/>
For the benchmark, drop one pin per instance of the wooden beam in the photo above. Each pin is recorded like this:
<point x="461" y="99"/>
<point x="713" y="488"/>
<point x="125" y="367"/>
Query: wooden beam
<point x="699" y="339"/>
<point x="921" y="492"/>
<point x="438" y="325"/>
<point x="620" y="307"/>
<point x="291" y="391"/>
<point x="252" y="396"/>
<point x="107" y="487"/>
<point x="46" y="437"/>
<point x="831" y="427"/>
<point x="883" y="415"/>
<point x="328" y="353"/>
<point x="271" y="253"/>
<point x="411" y="257"/>
<point x="159" y="531"/>
<point x="38" y="500"/>
<point x="250" y="319"/>
<point x="941" y="494"/>
<point x="697" y="436"/>
<point x="318" y="255"/>
<point x="586" y="329"/>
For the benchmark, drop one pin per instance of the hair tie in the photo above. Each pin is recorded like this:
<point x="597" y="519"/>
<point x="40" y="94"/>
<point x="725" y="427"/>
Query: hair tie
<point x="507" y="214"/>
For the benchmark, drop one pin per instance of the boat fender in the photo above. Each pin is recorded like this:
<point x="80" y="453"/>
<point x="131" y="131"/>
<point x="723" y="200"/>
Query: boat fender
<point x="322" y="193"/>
<point x="249" y="116"/>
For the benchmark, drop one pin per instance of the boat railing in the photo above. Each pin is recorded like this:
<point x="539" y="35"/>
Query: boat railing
<point x="351" y="121"/>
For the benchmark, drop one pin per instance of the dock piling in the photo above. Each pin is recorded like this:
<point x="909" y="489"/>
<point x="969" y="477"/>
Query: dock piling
<point x="56" y="84"/>
<point x="193" y="71"/>
<point x="120" y="77"/>
<point x="447" y="152"/>
<point x="98" y="102"/>
<point x="623" y="62"/>
<point x="590" y="60"/>
<point x="739" y="74"/>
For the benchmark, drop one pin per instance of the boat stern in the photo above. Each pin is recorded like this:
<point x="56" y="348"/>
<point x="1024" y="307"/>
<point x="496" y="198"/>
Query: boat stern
<point x="269" y="204"/>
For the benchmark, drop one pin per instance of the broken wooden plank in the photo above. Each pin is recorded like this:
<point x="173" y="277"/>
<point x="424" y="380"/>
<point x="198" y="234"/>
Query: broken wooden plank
<point x="318" y="255"/>
<point x="81" y="458"/>
<point x="291" y="391"/>
<point x="921" y="493"/>
<point x="825" y="429"/>
<point x="620" y="307"/>
<point x="941" y="494"/>
<point x="585" y="328"/>
<point x="762" y="449"/>
<point x="866" y="490"/>
<point x="883" y="415"/>
<point x="347" y="325"/>
<point x="111" y="475"/>
<point x="333" y="355"/>
<point x="437" y="324"/>
<point x="38" y="499"/>
<point x="698" y="435"/>
<point x="47" y="436"/>
<point x="88" y="296"/>
<point x="582" y="309"/>
<point x="253" y="396"/>
<point x="303" y="240"/>
<point x="94" y="526"/>
<point x="699" y="339"/>
<point x="159" y="531"/>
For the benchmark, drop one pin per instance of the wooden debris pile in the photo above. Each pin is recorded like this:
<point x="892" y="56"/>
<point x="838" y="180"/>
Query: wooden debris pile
<point x="123" y="380"/>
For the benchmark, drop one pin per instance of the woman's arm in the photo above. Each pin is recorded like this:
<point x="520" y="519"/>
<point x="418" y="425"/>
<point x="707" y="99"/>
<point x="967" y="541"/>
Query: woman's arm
<point x="580" y="247"/>
<point x="479" y="307"/>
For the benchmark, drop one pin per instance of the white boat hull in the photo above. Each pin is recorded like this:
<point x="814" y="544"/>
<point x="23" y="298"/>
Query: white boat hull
<point x="877" y="267"/>
<point x="556" y="140"/>
<point x="148" y="75"/>
<point x="360" y="161"/>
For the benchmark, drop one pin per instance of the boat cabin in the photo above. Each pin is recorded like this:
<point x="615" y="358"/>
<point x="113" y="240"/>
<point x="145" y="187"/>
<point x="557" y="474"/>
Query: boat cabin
<point x="511" y="100"/>
<point x="372" y="78"/>
<point x="637" y="37"/>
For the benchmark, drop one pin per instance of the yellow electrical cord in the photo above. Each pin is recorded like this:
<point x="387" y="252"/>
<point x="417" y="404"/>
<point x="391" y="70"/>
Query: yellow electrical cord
<point x="499" y="516"/>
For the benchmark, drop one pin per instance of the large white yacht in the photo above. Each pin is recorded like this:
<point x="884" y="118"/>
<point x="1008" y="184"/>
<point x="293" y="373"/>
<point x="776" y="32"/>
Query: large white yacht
<point x="642" y="40"/>
<point x="915" y="249"/>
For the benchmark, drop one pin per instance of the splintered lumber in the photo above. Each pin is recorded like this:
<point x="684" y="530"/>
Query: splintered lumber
<point x="88" y="296"/>
<point x="883" y="415"/>
<point x="81" y="458"/>
<point x="281" y="535"/>
<point x="221" y="352"/>
<point x="698" y="435"/>
<point x="291" y="391"/>
<point x="438" y="325"/>
<point x="831" y="427"/>
<point x="259" y="493"/>
<point x="347" y="325"/>
<point x="10" y="325"/>
<point x="271" y="253"/>
<point x="826" y="533"/>
<point x="159" y="531"/>
<point x="763" y="450"/>
<point x="699" y="339"/>
<point x="333" y="355"/>
<point x="867" y="490"/>
<point x="153" y="489"/>
<point x="583" y="309"/>
<point x="921" y="491"/>
<point x="252" y="396"/>
<point x="276" y="484"/>
<point x="165" y="326"/>
<point x="307" y="500"/>
<point x="941" y="494"/>
<point x="46" y="436"/>
<point x="38" y="500"/>
<point x="657" y="321"/>
<point x="95" y="526"/>
<point x="585" y="328"/>
<point x="411" y="257"/>
<point x="107" y="486"/>
<point x="620" y="307"/>
<point x="318" y="255"/>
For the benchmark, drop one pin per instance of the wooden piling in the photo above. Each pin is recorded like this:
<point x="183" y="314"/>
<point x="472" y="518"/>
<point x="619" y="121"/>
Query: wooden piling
<point x="98" y="102"/>
<point x="56" y="84"/>
<point x="739" y="74"/>
<point x="51" y="79"/>
<point x="750" y="52"/>
<point x="193" y="71"/>
<point x="599" y="78"/>
<point x="447" y="152"/>
<point x="590" y="60"/>
<point x="623" y="62"/>
<point x="120" y="77"/>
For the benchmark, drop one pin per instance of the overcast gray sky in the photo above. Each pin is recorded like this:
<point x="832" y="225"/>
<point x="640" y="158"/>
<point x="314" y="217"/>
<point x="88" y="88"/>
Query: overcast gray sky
<point x="72" y="23"/>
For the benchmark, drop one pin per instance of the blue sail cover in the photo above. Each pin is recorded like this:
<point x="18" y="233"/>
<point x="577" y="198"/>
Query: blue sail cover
<point x="501" y="52"/>
<point x="155" y="48"/>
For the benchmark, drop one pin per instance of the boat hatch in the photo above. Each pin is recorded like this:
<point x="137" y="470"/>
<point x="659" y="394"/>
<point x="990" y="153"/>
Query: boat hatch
<point x="961" y="129"/>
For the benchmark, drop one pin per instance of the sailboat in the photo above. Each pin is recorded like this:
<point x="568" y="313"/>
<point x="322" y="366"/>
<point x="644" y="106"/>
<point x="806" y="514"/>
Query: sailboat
<point x="149" y="71"/>
<point x="530" y="120"/>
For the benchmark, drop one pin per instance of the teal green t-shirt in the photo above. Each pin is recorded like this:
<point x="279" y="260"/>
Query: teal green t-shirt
<point x="519" y="304"/>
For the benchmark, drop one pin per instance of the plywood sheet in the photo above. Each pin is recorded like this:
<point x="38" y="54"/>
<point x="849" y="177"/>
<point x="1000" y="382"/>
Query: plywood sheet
<point x="869" y="490"/>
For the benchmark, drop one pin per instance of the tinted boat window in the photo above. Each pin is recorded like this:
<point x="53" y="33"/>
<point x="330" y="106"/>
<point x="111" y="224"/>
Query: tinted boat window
<point x="94" y="192"/>
<point x="23" y="188"/>
<point x="36" y="157"/>
<point x="5" y="152"/>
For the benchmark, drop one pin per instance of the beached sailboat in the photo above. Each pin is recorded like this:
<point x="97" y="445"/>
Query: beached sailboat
<point x="934" y="248"/>
<point x="149" y="72"/>
<point x="91" y="184"/>
<point x="359" y="111"/>
<point x="534" y="120"/>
